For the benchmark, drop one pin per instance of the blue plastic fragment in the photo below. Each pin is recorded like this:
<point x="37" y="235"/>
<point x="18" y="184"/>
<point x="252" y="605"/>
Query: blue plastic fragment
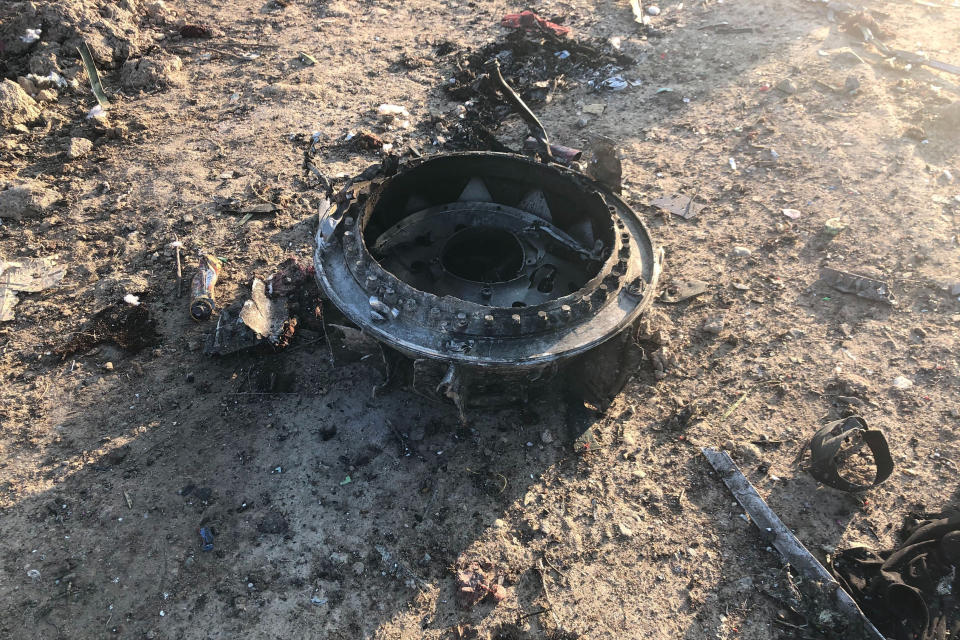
<point x="206" y="537"/>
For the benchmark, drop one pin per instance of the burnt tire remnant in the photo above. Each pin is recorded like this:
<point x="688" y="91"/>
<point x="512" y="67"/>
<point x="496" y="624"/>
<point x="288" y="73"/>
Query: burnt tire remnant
<point x="485" y="276"/>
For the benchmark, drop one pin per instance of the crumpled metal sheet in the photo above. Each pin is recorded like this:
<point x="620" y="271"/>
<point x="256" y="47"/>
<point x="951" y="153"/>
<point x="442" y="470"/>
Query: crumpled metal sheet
<point x="259" y="320"/>
<point x="679" y="205"/>
<point x="861" y="286"/>
<point x="29" y="275"/>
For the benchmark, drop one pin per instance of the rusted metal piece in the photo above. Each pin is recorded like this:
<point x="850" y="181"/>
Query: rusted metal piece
<point x="861" y="286"/>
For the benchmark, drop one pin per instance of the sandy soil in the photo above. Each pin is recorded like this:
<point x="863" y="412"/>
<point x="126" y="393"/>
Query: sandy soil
<point x="106" y="473"/>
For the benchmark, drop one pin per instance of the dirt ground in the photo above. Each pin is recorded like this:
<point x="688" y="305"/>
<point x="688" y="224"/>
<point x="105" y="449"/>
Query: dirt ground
<point x="342" y="514"/>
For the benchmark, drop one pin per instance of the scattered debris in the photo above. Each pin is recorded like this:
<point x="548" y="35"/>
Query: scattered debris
<point x="264" y="317"/>
<point x="594" y="109"/>
<point x="826" y="457"/>
<point x="615" y="83"/>
<point x="91" y="69"/>
<point x="606" y="166"/>
<point x="258" y="321"/>
<point x="908" y="591"/>
<point x="129" y="327"/>
<point x="30" y="275"/>
<point x="679" y="205"/>
<point x="791" y="549"/>
<point x="195" y="31"/>
<point x="203" y="300"/>
<point x="529" y="60"/>
<point x="833" y="227"/>
<point x="206" y="538"/>
<point x="530" y="21"/>
<point x="861" y="286"/>
<point x="639" y="16"/>
<point x="476" y="581"/>
<point x="680" y="290"/>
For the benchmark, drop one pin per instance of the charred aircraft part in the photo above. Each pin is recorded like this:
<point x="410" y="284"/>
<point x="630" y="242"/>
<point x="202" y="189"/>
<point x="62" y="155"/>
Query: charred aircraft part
<point x="489" y="275"/>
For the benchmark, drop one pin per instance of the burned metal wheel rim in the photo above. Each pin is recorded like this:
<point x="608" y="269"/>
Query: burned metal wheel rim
<point x="489" y="260"/>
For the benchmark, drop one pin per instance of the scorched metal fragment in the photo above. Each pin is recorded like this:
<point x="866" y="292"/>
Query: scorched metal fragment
<point x="485" y="275"/>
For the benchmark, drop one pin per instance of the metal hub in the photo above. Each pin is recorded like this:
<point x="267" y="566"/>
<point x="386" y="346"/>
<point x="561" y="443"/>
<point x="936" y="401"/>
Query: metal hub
<point x="487" y="261"/>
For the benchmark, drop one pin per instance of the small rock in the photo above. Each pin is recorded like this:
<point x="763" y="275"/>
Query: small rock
<point x="27" y="85"/>
<point x="339" y="558"/>
<point x="852" y="84"/>
<point x="425" y="560"/>
<point x="714" y="326"/>
<point x="357" y="568"/>
<point x="157" y="10"/>
<point x="793" y="214"/>
<point x="78" y="148"/>
<point x="653" y="10"/>
<point x="742" y="252"/>
<point x="955" y="289"/>
<point x="744" y="584"/>
<point x="625" y="531"/>
<point x="902" y="383"/>
<point x="108" y="366"/>
<point x="546" y="437"/>
<point x="25" y="199"/>
<point x="47" y="95"/>
<point x="16" y="106"/>
<point x="787" y="86"/>
<point x="151" y="72"/>
<point x="748" y="452"/>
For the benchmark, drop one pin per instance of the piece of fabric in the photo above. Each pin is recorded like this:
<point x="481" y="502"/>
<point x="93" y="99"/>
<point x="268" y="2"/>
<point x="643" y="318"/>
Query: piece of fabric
<point x="529" y="21"/>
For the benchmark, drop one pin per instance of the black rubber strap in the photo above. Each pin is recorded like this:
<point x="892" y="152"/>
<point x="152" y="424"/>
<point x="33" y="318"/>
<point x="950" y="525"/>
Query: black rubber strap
<point x="827" y="442"/>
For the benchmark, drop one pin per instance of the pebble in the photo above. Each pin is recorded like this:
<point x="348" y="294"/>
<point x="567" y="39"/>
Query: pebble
<point x="47" y="95"/>
<point x="787" y="86"/>
<point x="653" y="10"/>
<point x="901" y="382"/>
<point x="339" y="558"/>
<point x="357" y="568"/>
<point x="742" y="252"/>
<point x="16" y="106"/>
<point x="793" y="214"/>
<point x="749" y="452"/>
<point x="26" y="199"/>
<point x="852" y="84"/>
<point x="108" y="366"/>
<point x="546" y="437"/>
<point x="625" y="531"/>
<point x="714" y="326"/>
<point x="78" y="148"/>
